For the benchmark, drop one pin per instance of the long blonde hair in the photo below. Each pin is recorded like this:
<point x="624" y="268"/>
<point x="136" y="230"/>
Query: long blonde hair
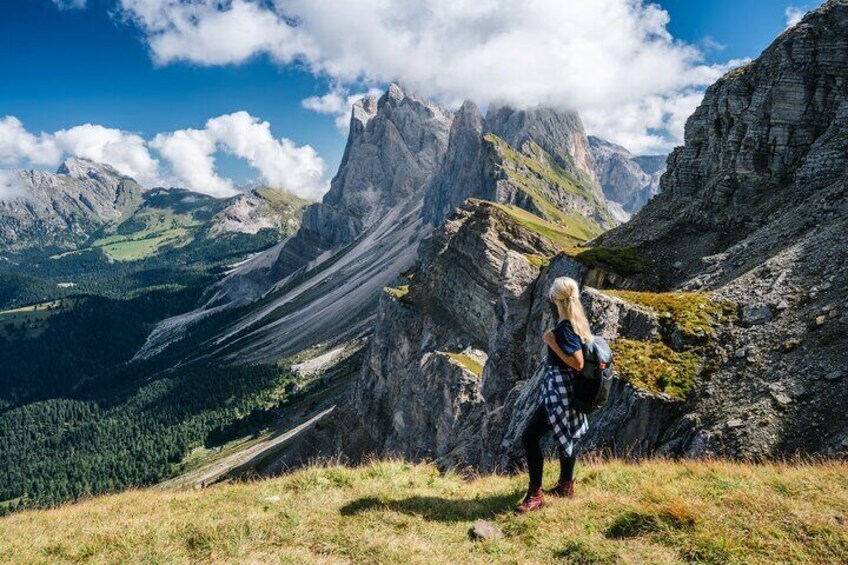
<point x="565" y="294"/>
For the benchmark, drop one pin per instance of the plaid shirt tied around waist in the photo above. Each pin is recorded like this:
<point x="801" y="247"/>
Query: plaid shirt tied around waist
<point x="557" y="392"/>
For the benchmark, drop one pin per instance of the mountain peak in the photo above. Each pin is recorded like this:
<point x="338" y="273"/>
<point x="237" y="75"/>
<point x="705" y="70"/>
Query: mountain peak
<point x="81" y="168"/>
<point x="363" y="110"/>
<point x="559" y="132"/>
<point x="395" y="92"/>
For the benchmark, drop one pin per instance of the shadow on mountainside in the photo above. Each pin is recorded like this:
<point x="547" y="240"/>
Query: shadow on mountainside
<point x="437" y="509"/>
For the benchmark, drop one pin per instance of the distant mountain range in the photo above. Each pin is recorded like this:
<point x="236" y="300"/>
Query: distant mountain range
<point x="66" y="232"/>
<point x="82" y="199"/>
<point x="627" y="180"/>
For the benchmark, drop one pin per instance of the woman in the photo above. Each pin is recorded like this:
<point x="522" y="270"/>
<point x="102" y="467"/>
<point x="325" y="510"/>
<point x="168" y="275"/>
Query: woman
<point x="565" y="357"/>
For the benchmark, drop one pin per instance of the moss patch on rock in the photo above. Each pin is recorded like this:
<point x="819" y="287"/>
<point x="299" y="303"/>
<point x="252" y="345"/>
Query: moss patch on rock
<point x="655" y="367"/>
<point x="537" y="261"/>
<point x="695" y="314"/>
<point x="397" y="292"/>
<point x="625" y="261"/>
<point x="467" y="362"/>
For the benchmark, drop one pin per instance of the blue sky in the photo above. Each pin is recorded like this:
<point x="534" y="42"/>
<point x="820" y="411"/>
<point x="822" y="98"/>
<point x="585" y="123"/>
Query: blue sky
<point x="65" y="67"/>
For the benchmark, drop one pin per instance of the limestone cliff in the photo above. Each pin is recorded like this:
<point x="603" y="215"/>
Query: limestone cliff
<point x="452" y="370"/>
<point x="63" y="209"/>
<point x="537" y="159"/>
<point x="753" y="208"/>
<point x="626" y="179"/>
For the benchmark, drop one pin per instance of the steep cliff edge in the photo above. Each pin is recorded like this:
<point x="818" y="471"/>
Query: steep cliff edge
<point x="753" y="208"/>
<point x="537" y="159"/>
<point x="767" y="138"/>
<point x="452" y="370"/>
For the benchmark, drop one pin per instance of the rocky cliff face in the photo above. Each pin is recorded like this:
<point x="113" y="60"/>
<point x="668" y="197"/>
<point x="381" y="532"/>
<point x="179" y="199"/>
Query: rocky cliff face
<point x="537" y="159"/>
<point x="765" y="138"/>
<point x="394" y="149"/>
<point x="627" y="180"/>
<point x="753" y="209"/>
<point x="452" y="371"/>
<point x="461" y="175"/>
<point x="61" y="210"/>
<point x="749" y="233"/>
<point x="559" y="133"/>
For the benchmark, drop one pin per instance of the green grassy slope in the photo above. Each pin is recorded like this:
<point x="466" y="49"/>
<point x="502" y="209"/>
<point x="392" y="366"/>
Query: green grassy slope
<point x="547" y="186"/>
<point x="392" y="512"/>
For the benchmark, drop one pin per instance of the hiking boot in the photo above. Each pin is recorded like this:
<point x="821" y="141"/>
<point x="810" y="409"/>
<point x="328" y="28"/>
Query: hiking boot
<point x="563" y="489"/>
<point x="532" y="502"/>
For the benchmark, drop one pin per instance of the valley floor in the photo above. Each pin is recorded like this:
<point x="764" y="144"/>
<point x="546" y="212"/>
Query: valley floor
<point x="393" y="512"/>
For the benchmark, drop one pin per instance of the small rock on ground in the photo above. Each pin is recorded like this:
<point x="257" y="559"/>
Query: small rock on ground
<point x="485" y="530"/>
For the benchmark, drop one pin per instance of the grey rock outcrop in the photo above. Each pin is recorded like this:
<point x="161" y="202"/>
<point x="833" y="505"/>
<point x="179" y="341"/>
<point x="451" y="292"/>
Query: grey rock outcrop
<point x="537" y="159"/>
<point x="753" y="209"/>
<point x="422" y="395"/>
<point x="560" y="133"/>
<point x="630" y="181"/>
<point x="395" y="146"/>
<point x="461" y="175"/>
<point x="63" y="209"/>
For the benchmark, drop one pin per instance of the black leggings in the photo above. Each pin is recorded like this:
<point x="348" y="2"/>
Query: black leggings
<point x="536" y="430"/>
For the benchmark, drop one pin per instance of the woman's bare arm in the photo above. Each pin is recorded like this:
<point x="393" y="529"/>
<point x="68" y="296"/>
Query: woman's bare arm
<point x="574" y="361"/>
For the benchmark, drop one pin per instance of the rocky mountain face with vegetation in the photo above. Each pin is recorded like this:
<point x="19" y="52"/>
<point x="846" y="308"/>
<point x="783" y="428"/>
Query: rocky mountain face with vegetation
<point x="61" y="210"/>
<point x="453" y="369"/>
<point x="627" y="180"/>
<point x="537" y="159"/>
<point x="724" y="298"/>
<point x="753" y="210"/>
<point x="408" y="164"/>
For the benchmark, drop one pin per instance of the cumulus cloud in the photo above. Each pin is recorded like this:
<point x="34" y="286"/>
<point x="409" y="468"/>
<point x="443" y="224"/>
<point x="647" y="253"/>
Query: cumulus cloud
<point x="18" y="144"/>
<point x="652" y="125"/>
<point x="587" y="55"/>
<point x="125" y="151"/>
<point x="337" y="102"/>
<point x="190" y="153"/>
<point x="280" y="162"/>
<point x="794" y="15"/>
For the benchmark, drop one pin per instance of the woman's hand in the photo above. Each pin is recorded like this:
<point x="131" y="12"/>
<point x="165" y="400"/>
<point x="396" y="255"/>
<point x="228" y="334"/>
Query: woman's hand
<point x="549" y="338"/>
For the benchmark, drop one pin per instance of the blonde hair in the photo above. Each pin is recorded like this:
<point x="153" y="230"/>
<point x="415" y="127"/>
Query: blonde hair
<point x="565" y="294"/>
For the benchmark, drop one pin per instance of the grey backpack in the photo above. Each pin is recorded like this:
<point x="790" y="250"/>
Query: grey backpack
<point x="592" y="385"/>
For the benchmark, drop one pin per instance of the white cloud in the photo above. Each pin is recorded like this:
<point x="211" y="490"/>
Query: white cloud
<point x="189" y="152"/>
<point x="337" y="102"/>
<point x="586" y="55"/>
<point x="70" y="4"/>
<point x="794" y="15"/>
<point x="653" y="125"/>
<point x="127" y="152"/>
<point x="11" y="186"/>
<point x="280" y="162"/>
<point x="17" y="144"/>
